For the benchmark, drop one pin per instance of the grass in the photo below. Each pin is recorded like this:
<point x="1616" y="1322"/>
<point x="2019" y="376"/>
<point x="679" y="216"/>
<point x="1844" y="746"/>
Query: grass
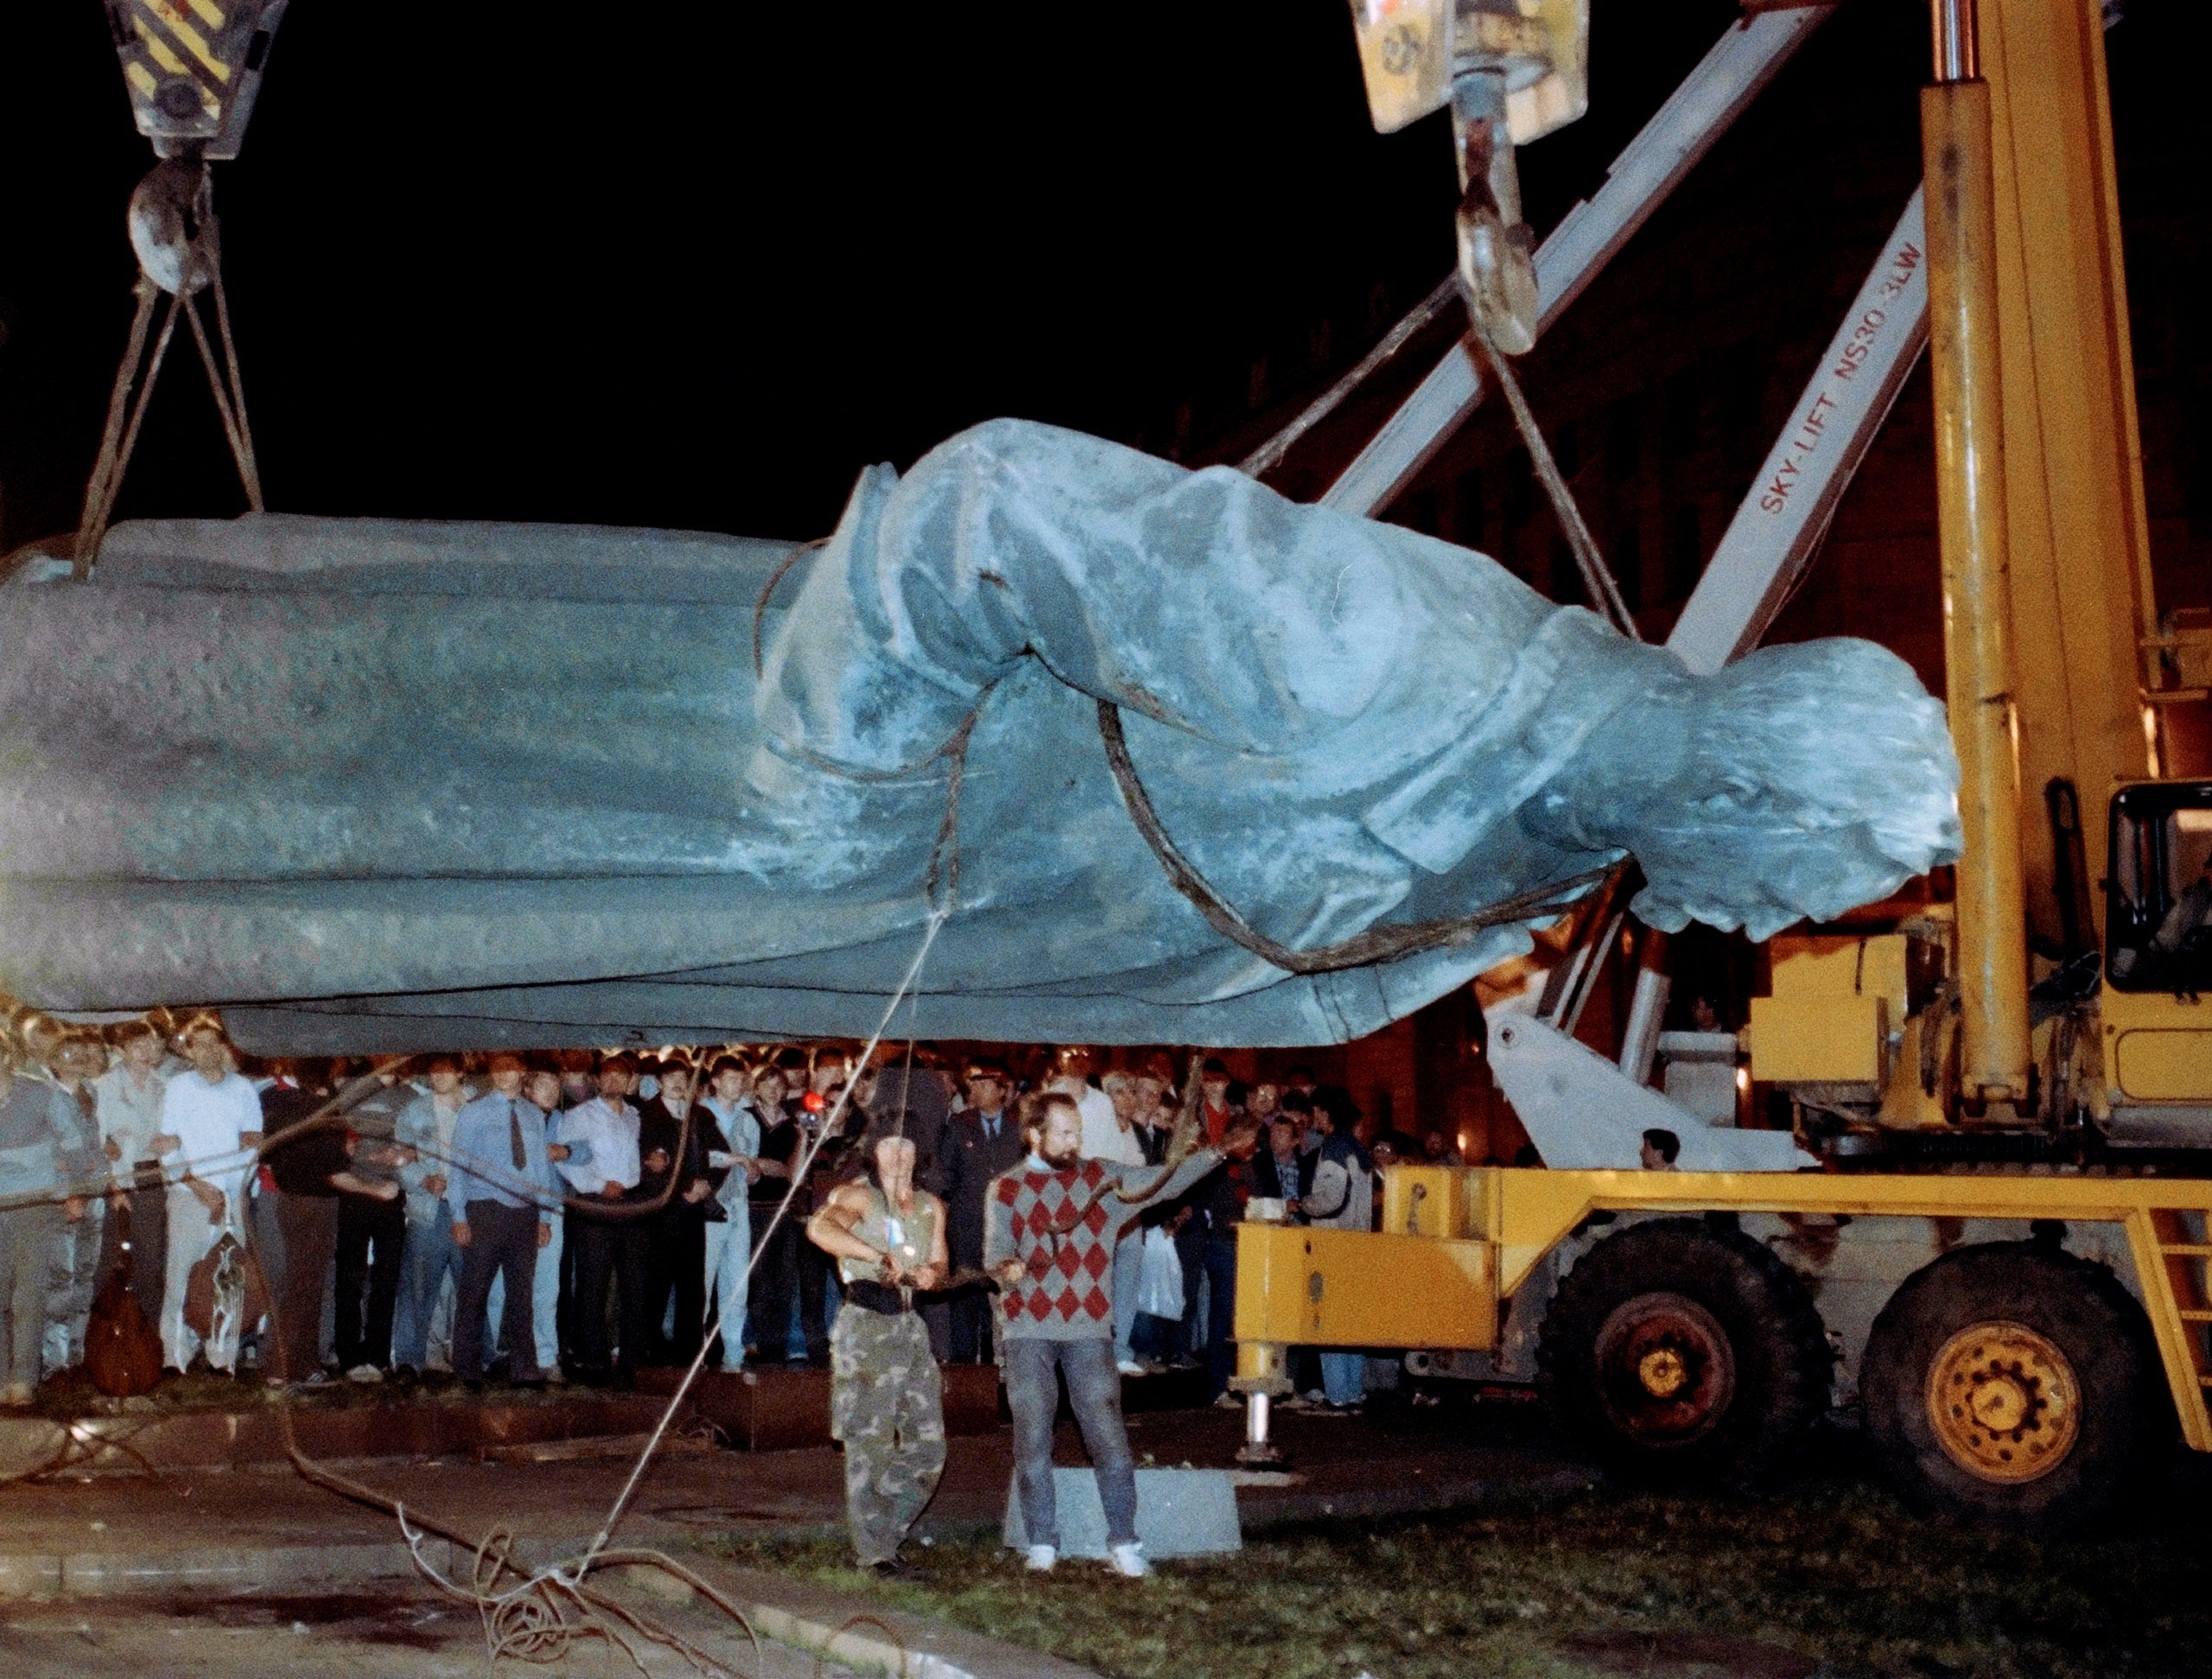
<point x="1831" y="1579"/>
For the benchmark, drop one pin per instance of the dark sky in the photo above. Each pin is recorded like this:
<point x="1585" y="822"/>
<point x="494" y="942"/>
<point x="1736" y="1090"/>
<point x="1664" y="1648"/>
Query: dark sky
<point x="693" y="263"/>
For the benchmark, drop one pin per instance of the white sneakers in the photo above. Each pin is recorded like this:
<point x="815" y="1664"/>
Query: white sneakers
<point x="1130" y="1367"/>
<point x="1128" y="1560"/>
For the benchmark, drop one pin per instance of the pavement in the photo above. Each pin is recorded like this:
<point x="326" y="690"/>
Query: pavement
<point x="378" y="1630"/>
<point x="108" y="1546"/>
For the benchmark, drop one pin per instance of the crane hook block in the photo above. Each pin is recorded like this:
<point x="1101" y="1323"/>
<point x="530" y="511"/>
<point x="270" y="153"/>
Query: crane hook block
<point x="1410" y="50"/>
<point x="192" y="68"/>
<point x="172" y="226"/>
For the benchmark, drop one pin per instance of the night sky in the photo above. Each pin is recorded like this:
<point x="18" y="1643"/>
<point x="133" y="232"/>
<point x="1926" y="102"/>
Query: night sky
<point x="694" y="264"/>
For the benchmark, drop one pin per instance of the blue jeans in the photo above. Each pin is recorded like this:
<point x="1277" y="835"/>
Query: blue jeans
<point x="1344" y="1376"/>
<point x="1095" y="1396"/>
<point x="544" y="1298"/>
<point x="426" y="1256"/>
<point x="729" y="1251"/>
<point x="545" y="1293"/>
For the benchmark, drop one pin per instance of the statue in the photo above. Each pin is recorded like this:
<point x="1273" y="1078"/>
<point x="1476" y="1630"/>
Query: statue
<point x="391" y="784"/>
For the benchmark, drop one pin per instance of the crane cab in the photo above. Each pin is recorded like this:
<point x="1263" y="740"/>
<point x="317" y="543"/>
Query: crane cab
<point x="2155" y="1023"/>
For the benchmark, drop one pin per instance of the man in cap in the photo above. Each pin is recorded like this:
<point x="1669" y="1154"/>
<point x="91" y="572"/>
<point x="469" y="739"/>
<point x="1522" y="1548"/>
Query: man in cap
<point x="978" y="1145"/>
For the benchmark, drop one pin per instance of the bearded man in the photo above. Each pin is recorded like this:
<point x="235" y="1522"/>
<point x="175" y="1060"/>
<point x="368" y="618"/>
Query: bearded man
<point x="885" y="1393"/>
<point x="1053" y="1222"/>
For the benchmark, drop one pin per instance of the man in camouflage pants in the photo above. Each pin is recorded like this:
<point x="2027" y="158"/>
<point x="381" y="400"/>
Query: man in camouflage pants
<point x="886" y="1397"/>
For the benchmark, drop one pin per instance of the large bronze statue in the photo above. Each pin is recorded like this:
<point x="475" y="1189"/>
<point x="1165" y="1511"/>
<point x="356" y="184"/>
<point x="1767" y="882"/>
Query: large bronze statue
<point x="392" y="784"/>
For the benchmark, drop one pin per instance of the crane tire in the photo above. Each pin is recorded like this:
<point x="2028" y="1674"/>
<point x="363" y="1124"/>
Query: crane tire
<point x="2013" y="1384"/>
<point x="1681" y="1351"/>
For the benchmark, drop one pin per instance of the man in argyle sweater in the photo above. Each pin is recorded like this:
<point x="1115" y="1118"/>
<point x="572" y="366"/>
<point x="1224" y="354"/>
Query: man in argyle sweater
<point x="1053" y="1224"/>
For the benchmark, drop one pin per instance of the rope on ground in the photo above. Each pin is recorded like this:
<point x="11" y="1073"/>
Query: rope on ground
<point x="75" y="1443"/>
<point x="830" y="1126"/>
<point x="541" y="1618"/>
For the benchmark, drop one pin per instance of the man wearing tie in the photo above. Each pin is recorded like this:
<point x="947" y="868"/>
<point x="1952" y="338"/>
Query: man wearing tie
<point x="501" y="1194"/>
<point x="976" y="1147"/>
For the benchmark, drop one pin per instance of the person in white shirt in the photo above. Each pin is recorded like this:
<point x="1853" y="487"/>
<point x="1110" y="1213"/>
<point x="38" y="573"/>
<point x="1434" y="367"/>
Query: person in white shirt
<point x="211" y="1120"/>
<point x="1106" y="1136"/>
<point x="128" y="1097"/>
<point x="729" y="1241"/>
<point x="609" y="1124"/>
<point x="610" y="1246"/>
<point x="1127" y="1093"/>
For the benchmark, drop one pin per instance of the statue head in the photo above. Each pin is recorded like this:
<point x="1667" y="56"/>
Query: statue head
<point x="1799" y="782"/>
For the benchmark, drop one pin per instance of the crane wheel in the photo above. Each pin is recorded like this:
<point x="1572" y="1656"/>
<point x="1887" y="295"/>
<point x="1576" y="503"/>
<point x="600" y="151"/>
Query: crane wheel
<point x="1679" y="1353"/>
<point x="2011" y="1382"/>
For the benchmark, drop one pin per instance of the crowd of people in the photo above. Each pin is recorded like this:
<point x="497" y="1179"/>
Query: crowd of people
<point x="572" y="1216"/>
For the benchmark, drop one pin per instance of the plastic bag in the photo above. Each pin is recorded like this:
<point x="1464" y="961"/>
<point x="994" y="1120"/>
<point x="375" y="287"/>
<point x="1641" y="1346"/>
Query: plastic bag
<point x="1160" y="1285"/>
<point x="225" y="1295"/>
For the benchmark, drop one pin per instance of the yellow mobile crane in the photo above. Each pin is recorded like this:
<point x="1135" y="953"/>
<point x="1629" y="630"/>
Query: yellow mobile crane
<point x="2002" y="1245"/>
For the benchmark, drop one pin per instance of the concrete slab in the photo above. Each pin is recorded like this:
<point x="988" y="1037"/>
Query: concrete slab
<point x="1180" y="1512"/>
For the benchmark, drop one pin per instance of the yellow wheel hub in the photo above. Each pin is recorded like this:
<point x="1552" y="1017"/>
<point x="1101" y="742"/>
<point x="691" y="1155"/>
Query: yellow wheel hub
<point x="1662" y="1372"/>
<point x="2004" y="1403"/>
